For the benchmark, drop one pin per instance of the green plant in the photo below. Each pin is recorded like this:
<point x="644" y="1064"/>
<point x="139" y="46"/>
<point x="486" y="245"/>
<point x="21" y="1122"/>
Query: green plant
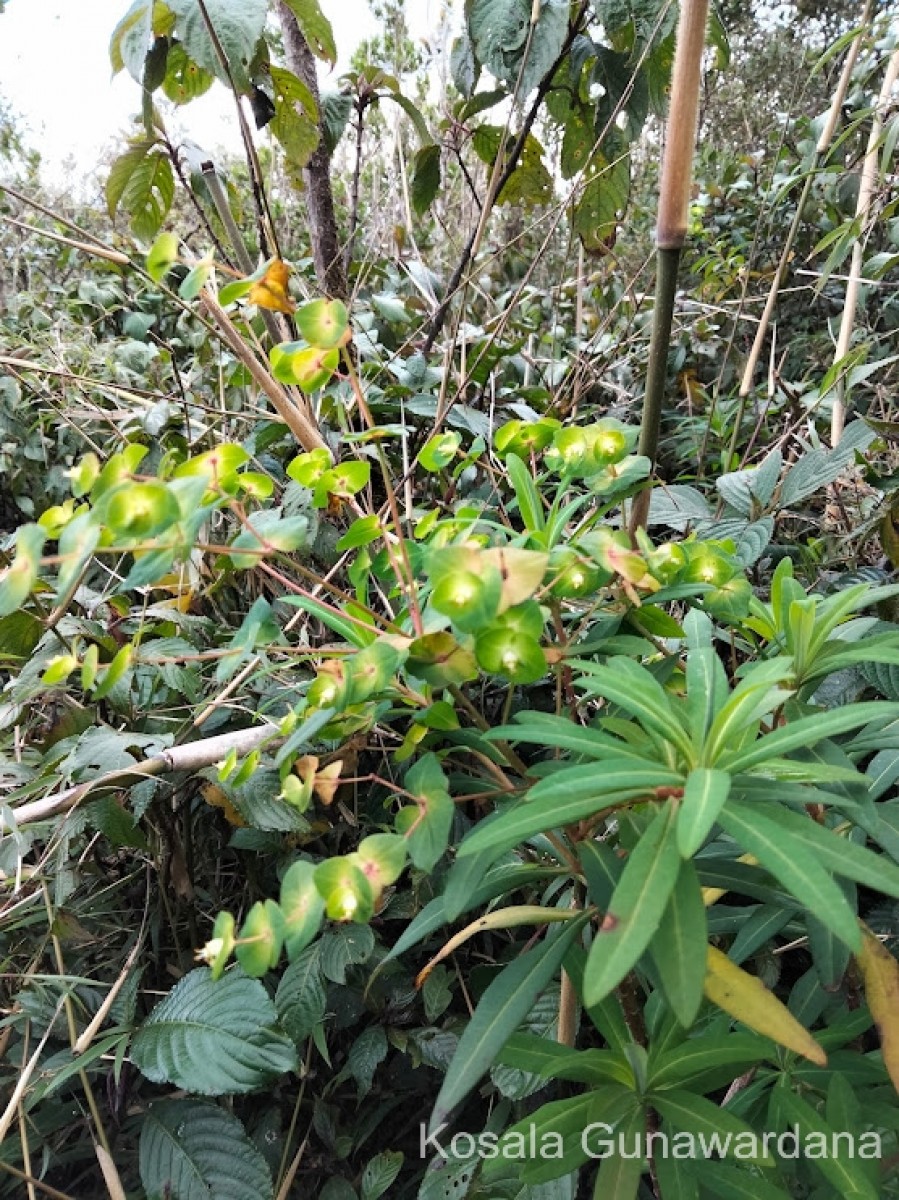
<point x="379" y="815"/>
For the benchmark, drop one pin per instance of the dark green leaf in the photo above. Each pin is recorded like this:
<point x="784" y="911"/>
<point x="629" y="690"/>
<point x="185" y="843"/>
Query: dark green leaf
<point x="795" y="866"/>
<point x="636" y="907"/>
<point x="501" y="1009"/>
<point x="214" y="1039"/>
<point x="678" y="949"/>
<point x="191" y="1150"/>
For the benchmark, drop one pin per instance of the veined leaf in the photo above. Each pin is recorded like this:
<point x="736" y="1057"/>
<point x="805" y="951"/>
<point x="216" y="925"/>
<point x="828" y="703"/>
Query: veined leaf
<point x="499" y="37"/>
<point x="747" y="999"/>
<point x="619" y="1176"/>
<point x="678" y="947"/>
<point x="638" y="692"/>
<point x="806" y="732"/>
<point x="131" y="39"/>
<point x="501" y="1009"/>
<point x="501" y="918"/>
<point x="635" y="909"/>
<point x="841" y="1171"/>
<point x="353" y="632"/>
<point x="193" y="1150"/>
<point x="794" y="866"/>
<point x="706" y="688"/>
<point x="693" y="1114"/>
<point x="538" y="1055"/>
<point x="695" y="1061"/>
<point x="238" y="26"/>
<point x="559" y="733"/>
<point x="500" y="881"/>
<point x="566" y="796"/>
<point x="214" y="1039"/>
<point x="566" y="1119"/>
<point x="731" y="1183"/>
<point x="753" y="698"/>
<point x="705" y="793"/>
<point x="526" y="493"/>
<point x="836" y="854"/>
<point x="315" y="28"/>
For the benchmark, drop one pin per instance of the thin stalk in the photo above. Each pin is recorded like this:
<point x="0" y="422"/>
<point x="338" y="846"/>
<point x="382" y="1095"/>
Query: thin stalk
<point x="297" y="419"/>
<point x="821" y="151"/>
<point x="503" y="169"/>
<point x="870" y="176"/>
<point x="357" y="177"/>
<point x="223" y="208"/>
<point x="668" y="261"/>
<point x="190" y="757"/>
<point x="671" y="224"/>
<point x="265" y="222"/>
<point x="101" y="1143"/>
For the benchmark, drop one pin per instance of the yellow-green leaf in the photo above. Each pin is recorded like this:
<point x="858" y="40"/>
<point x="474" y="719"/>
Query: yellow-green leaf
<point x="747" y="999"/>
<point x="880" y="971"/>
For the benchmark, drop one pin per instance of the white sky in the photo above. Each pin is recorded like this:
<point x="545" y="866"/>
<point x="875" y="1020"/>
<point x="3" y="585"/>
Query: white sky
<point x="54" y="70"/>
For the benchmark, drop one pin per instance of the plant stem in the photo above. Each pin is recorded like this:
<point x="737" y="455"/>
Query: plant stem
<point x="650" y="426"/>
<point x="671" y="225"/>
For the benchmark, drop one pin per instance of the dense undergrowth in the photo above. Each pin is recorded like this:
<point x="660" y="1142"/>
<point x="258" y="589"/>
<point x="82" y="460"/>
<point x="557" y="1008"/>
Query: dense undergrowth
<point x="380" y="805"/>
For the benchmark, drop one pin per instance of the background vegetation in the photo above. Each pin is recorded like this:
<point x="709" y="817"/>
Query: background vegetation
<point x="369" y="754"/>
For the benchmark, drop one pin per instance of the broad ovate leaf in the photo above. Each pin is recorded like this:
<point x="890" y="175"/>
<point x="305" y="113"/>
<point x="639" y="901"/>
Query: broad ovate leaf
<point x="214" y="1038"/>
<point x="324" y="323"/>
<point x="194" y="1150"/>
<point x="303" y="907"/>
<point x="18" y="579"/>
<point x="238" y="26"/>
<point x="163" y="256"/>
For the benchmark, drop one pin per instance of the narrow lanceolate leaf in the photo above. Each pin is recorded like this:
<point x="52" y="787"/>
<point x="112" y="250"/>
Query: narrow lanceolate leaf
<point x="678" y="947"/>
<point x="708" y="1061"/>
<point x="636" y="908"/>
<point x="569" y="795"/>
<point x="706" y="687"/>
<point x="747" y="999"/>
<point x="526" y="493"/>
<point x="794" y="866"/>
<point x="638" y="692"/>
<point x="881" y="975"/>
<point x="620" y="1173"/>
<point x="501" y="918"/>
<point x="502" y="1008"/>
<point x="808" y="731"/>
<point x="559" y="733"/>
<point x="843" y="1172"/>
<point x="705" y="792"/>
<point x="837" y="854"/>
<point x="691" y="1113"/>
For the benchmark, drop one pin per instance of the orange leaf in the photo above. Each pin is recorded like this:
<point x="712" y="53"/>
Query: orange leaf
<point x="271" y="290"/>
<point x="881" y="974"/>
<point x="214" y="796"/>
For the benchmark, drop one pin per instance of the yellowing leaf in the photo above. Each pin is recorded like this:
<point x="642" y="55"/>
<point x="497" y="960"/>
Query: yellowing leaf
<point x="881" y="974"/>
<point x="522" y="572"/>
<point x="501" y="918"/>
<point x="214" y="796"/>
<point x="271" y="290"/>
<point x="327" y="781"/>
<point x="747" y="999"/>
